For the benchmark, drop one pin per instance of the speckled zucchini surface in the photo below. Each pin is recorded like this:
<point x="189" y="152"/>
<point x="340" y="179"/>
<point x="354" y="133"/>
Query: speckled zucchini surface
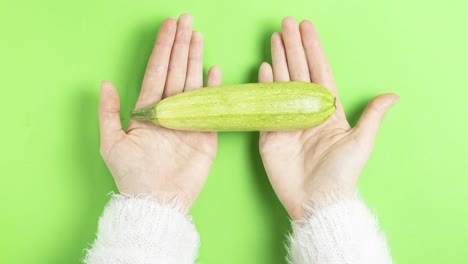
<point x="243" y="107"/>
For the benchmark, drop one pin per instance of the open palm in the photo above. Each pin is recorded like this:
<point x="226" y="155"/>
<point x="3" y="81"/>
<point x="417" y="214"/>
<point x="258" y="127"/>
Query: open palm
<point x="147" y="159"/>
<point x="314" y="165"/>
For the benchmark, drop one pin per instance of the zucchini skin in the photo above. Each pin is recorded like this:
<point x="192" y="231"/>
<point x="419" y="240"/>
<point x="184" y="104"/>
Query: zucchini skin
<point x="243" y="107"/>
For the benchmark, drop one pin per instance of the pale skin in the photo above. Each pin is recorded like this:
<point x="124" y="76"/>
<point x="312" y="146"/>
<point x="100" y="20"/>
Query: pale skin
<point x="304" y="167"/>
<point x="146" y="159"/>
<point x="318" y="165"/>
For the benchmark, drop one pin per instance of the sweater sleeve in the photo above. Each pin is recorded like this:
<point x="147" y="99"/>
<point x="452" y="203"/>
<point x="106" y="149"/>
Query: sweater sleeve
<point x="345" y="232"/>
<point x="141" y="230"/>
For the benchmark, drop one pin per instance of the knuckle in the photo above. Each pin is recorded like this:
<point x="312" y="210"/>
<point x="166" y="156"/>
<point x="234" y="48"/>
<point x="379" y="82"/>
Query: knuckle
<point x="172" y="67"/>
<point x="155" y="70"/>
<point x="375" y="108"/>
<point x="163" y="43"/>
<point x="184" y="36"/>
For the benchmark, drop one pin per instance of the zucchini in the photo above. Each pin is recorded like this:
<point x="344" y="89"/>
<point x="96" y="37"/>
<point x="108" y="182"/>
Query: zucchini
<point x="243" y="107"/>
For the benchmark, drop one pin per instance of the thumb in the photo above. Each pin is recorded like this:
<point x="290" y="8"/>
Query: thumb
<point x="373" y="115"/>
<point x="109" y="113"/>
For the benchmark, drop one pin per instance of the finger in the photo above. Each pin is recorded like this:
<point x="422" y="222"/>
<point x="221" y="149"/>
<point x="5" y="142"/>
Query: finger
<point x="265" y="73"/>
<point x="278" y="57"/>
<point x="214" y="77"/>
<point x="371" y="119"/>
<point x="109" y="113"/>
<point x="319" y="68"/>
<point x="156" y="71"/>
<point x="179" y="57"/>
<point x="297" y="63"/>
<point x="195" y="63"/>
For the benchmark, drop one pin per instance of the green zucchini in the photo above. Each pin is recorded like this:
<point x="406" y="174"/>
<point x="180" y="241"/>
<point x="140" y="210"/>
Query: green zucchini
<point x="243" y="107"/>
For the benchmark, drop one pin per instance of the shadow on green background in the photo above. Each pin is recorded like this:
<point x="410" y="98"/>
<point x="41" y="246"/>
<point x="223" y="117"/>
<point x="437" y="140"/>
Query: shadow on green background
<point x="93" y="177"/>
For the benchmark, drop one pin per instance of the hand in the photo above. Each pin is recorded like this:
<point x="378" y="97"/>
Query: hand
<point x="319" y="164"/>
<point x="147" y="159"/>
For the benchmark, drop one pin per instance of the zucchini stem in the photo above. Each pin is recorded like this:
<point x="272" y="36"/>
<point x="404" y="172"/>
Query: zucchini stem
<point x="144" y="114"/>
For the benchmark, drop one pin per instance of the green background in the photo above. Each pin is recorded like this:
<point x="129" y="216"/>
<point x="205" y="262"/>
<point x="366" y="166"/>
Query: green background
<point x="54" y="184"/>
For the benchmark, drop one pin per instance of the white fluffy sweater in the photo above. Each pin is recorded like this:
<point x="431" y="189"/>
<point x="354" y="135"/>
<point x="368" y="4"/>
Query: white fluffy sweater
<point x="140" y="230"/>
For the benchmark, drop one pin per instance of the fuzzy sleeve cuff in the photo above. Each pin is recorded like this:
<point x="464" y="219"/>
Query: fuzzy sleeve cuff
<point x="141" y="230"/>
<point x="342" y="232"/>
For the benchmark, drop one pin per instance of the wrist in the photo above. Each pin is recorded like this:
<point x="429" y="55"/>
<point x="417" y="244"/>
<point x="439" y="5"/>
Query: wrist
<point x="172" y="200"/>
<point x="318" y="200"/>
